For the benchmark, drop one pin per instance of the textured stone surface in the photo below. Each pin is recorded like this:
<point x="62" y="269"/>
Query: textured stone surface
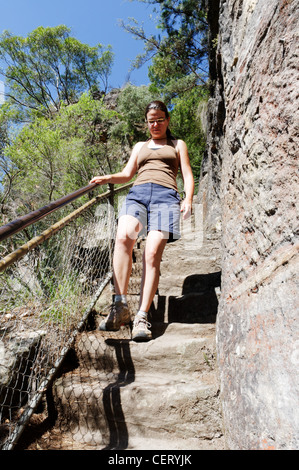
<point x="16" y="359"/>
<point x="144" y="390"/>
<point x="114" y="393"/>
<point x="250" y="178"/>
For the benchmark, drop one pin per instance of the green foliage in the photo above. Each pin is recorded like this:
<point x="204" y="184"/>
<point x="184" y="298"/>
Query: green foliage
<point x="58" y="155"/>
<point x="131" y="105"/>
<point x="54" y="156"/>
<point x="181" y="49"/>
<point x="50" y="67"/>
<point x="34" y="152"/>
<point x="72" y="129"/>
<point x="186" y="124"/>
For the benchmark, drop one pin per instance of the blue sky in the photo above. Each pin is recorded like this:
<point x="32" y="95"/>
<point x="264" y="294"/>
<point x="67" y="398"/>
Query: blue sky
<point x="91" y="22"/>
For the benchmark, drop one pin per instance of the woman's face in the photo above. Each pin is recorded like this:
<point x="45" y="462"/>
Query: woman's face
<point x="157" y="123"/>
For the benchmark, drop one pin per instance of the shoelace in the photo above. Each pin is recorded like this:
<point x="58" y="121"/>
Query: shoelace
<point x="113" y="308"/>
<point x="144" y="322"/>
<point x="113" y="311"/>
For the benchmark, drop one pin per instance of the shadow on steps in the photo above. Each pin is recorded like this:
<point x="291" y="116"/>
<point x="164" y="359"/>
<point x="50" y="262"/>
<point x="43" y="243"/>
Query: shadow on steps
<point x="93" y="396"/>
<point x="118" y="432"/>
<point x="197" y="304"/>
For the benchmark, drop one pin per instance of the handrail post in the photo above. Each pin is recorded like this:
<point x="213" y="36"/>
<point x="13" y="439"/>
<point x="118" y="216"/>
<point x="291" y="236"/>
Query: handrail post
<point x="111" y="210"/>
<point x="111" y="197"/>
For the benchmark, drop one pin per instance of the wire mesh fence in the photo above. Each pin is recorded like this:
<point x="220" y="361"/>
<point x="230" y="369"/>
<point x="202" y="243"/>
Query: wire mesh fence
<point x="48" y="287"/>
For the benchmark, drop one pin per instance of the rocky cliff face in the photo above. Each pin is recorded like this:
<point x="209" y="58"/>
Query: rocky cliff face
<point x="250" y="184"/>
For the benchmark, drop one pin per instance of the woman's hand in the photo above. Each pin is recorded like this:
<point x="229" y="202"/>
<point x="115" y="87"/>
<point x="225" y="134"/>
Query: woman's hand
<point x="186" y="208"/>
<point x="100" y="179"/>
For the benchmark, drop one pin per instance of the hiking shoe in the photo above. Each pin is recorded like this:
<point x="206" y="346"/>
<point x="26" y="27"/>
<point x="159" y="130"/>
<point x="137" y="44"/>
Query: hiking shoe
<point x="141" y="331"/>
<point x="119" y="315"/>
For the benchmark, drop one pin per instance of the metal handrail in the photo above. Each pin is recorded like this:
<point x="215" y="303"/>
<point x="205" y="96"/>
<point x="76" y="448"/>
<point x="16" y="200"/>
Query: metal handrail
<point x="21" y="223"/>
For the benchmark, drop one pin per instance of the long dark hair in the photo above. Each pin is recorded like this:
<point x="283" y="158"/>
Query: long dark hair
<point x="156" y="104"/>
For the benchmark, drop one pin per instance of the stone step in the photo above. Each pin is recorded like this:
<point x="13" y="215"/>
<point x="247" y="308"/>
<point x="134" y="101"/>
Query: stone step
<point x="164" y="442"/>
<point x="176" y="348"/>
<point x="141" y="392"/>
<point x="138" y="406"/>
<point x="163" y="394"/>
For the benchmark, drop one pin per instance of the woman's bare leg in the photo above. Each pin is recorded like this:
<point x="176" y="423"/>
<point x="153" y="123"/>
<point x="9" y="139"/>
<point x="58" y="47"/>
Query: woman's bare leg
<point x="127" y="232"/>
<point x="152" y="256"/>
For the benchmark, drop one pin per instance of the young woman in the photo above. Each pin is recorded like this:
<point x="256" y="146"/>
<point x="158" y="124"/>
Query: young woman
<point x="153" y="203"/>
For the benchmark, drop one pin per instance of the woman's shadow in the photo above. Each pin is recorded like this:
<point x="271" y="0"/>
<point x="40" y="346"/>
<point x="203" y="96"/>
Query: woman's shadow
<point x="119" y="436"/>
<point x="198" y="303"/>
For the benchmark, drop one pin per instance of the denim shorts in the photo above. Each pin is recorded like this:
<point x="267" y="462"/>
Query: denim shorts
<point x="156" y="207"/>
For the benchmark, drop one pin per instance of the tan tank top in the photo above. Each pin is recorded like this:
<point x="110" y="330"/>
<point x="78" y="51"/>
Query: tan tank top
<point x="158" y="165"/>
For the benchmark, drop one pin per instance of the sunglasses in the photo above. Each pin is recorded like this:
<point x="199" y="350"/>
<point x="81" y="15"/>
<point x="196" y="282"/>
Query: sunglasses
<point x="151" y="122"/>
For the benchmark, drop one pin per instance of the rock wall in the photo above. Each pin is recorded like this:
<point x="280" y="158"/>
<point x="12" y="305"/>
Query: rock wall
<point x="250" y="183"/>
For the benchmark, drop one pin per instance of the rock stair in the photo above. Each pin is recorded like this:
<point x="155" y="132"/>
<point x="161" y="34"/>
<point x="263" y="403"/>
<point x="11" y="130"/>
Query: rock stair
<point x="163" y="394"/>
<point x="130" y="395"/>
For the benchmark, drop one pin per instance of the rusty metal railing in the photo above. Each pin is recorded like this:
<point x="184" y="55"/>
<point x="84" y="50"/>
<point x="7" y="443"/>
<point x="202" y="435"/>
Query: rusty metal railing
<point x="24" y="221"/>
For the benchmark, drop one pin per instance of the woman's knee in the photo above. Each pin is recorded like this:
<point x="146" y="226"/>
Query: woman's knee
<point x="127" y="229"/>
<point x="123" y="244"/>
<point x="154" y="249"/>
